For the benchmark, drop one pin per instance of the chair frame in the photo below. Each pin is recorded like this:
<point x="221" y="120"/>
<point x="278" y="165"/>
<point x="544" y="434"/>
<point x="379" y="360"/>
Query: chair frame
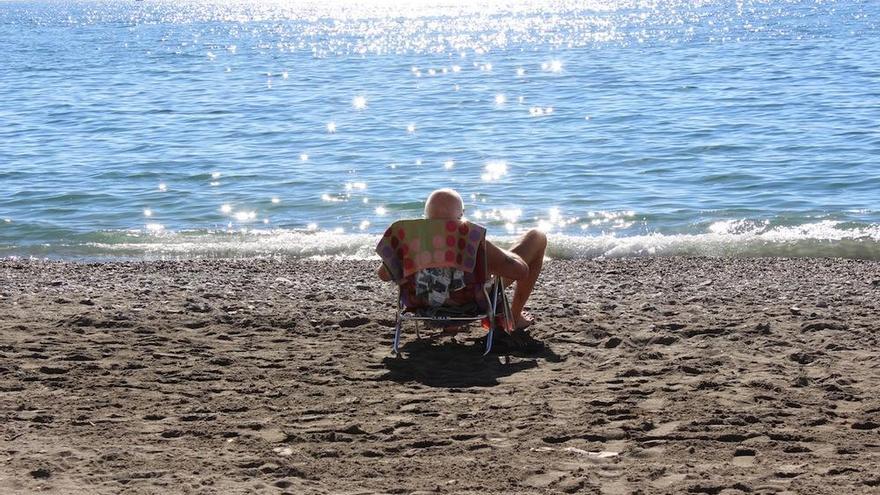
<point x="497" y="288"/>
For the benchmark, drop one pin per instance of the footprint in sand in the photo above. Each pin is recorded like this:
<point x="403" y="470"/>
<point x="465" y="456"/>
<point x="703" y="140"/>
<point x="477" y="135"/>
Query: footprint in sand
<point x="41" y="473"/>
<point x="353" y="322"/>
<point x="272" y="435"/>
<point x="652" y="404"/>
<point x="744" y="457"/>
<point x="668" y="481"/>
<point x="664" y="429"/>
<point x="51" y="370"/>
<point x="544" y="480"/>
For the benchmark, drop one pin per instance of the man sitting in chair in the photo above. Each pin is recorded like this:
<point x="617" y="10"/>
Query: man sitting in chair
<point x="522" y="264"/>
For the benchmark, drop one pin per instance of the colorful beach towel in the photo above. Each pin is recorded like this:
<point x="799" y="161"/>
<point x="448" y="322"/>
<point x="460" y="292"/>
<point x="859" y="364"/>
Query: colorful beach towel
<point x="409" y="246"/>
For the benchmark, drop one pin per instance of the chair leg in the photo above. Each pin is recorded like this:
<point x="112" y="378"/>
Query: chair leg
<point x="396" y="344"/>
<point x="493" y="305"/>
<point x="490" y="336"/>
<point x="508" y="314"/>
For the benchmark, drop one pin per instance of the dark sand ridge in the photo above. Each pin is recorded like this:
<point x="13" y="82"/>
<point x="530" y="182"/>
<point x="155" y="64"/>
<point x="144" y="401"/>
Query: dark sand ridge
<point x="666" y="376"/>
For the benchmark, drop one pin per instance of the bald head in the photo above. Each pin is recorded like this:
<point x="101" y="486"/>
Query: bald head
<point x="444" y="204"/>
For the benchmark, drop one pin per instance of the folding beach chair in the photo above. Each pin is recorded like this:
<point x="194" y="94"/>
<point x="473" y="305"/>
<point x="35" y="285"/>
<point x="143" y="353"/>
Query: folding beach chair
<point x="441" y="270"/>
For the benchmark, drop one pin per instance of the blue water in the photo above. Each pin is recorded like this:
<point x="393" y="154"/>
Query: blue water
<point x="165" y="129"/>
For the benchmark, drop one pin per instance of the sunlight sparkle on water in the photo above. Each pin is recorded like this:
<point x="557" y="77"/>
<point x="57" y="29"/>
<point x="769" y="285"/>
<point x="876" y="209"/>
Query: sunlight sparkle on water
<point x="215" y="175"/>
<point x="411" y="128"/>
<point x="148" y="213"/>
<point x="495" y="170"/>
<point x="382" y="27"/>
<point x="552" y="66"/>
<point x="245" y="216"/>
<point x="500" y="99"/>
<point x="448" y="164"/>
<point x="381" y="211"/>
<point x="538" y="111"/>
<point x="162" y="187"/>
<point x="227" y="209"/>
<point x="331" y="127"/>
<point x="520" y="72"/>
<point x="275" y="201"/>
<point x="624" y="219"/>
<point x="359" y="102"/>
<point x="509" y="215"/>
<point x="304" y="157"/>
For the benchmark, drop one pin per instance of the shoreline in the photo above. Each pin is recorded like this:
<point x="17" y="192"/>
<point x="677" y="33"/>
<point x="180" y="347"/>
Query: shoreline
<point x="824" y="239"/>
<point x="665" y="375"/>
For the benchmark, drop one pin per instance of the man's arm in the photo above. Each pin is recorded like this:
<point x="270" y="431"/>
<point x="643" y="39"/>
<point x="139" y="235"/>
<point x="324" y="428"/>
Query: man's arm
<point x="383" y="274"/>
<point x="505" y="264"/>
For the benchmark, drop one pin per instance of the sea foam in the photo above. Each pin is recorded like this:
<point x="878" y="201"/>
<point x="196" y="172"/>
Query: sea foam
<point x="819" y="239"/>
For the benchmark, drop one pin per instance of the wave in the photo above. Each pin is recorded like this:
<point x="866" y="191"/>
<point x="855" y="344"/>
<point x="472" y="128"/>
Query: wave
<point x="735" y="238"/>
<point x="820" y="240"/>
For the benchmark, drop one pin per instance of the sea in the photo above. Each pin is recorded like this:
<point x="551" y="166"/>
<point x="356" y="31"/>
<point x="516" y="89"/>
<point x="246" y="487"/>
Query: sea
<point x="161" y="129"/>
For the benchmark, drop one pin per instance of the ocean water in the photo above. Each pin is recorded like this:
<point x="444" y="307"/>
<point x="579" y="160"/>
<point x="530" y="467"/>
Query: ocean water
<point x="166" y="129"/>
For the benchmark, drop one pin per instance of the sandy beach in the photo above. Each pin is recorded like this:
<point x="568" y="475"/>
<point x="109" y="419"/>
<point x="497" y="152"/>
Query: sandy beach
<point x="662" y="375"/>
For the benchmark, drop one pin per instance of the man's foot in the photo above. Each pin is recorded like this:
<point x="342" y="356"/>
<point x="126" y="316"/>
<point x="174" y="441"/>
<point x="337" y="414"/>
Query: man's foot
<point x="523" y="321"/>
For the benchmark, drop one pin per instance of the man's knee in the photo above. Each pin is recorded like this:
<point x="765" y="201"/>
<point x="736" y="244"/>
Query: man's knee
<point x="536" y="239"/>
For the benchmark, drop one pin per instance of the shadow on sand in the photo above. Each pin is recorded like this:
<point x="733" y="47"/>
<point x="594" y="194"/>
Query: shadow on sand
<point x="452" y="364"/>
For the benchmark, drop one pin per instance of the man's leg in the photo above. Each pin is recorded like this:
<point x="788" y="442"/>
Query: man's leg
<point x="531" y="249"/>
<point x="521" y="264"/>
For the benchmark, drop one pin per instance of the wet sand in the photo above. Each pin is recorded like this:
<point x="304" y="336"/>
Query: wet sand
<point x="669" y="375"/>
